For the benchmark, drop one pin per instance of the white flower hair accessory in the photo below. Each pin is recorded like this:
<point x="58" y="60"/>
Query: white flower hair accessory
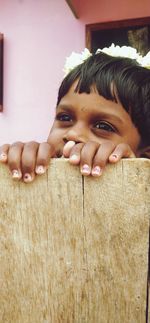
<point x="117" y="51"/>
<point x="145" y="60"/>
<point x="76" y="59"/>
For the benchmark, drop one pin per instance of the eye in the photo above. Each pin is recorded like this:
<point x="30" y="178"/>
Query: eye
<point x="65" y="117"/>
<point x="103" y="125"/>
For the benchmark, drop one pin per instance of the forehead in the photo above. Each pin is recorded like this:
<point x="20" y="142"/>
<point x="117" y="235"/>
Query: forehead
<point x="90" y="102"/>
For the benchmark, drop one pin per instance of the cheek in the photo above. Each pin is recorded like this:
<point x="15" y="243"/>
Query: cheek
<point x="134" y="140"/>
<point x="55" y="136"/>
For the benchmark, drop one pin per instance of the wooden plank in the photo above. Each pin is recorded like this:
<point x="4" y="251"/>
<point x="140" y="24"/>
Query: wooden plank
<point x="148" y="298"/>
<point x="148" y="289"/>
<point x="42" y="246"/>
<point x="70" y="254"/>
<point x="116" y="212"/>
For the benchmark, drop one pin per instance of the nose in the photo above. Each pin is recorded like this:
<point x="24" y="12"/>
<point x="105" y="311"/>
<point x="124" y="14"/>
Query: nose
<point x="77" y="134"/>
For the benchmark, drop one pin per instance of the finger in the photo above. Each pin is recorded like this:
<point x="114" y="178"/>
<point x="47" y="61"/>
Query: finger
<point x="14" y="159"/>
<point x="45" y="152"/>
<point x="101" y="157"/>
<point x="67" y="148"/>
<point x="4" y="153"/>
<point x="121" y="151"/>
<point x="29" y="155"/>
<point x="87" y="155"/>
<point x="75" y="154"/>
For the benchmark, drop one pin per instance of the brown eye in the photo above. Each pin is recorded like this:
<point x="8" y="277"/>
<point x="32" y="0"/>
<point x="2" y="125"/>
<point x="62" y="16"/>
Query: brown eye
<point x="65" y="117"/>
<point x="102" y="125"/>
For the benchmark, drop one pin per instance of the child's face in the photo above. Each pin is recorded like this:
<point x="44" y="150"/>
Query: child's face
<point x="90" y="117"/>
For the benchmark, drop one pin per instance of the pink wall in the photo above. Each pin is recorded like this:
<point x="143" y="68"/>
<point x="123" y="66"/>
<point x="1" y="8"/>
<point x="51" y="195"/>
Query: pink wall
<point x="38" y="34"/>
<point x="92" y="11"/>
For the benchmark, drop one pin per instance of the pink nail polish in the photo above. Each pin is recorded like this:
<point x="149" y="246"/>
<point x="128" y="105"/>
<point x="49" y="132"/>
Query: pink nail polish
<point x="16" y="174"/>
<point x="40" y="170"/>
<point x="74" y="158"/>
<point x="3" y="157"/>
<point x="27" y="178"/>
<point x="113" y="157"/>
<point x="96" y="171"/>
<point x="85" y="169"/>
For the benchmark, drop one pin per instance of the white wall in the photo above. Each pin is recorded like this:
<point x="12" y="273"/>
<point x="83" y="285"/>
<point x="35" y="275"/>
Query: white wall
<point x="38" y="35"/>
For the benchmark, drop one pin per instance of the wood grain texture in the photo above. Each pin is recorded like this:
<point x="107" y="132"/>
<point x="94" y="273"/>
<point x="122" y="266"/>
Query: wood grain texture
<point x="75" y="250"/>
<point x="117" y="242"/>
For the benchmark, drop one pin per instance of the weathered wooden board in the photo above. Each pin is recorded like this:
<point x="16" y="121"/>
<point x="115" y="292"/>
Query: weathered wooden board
<point x="73" y="249"/>
<point x="117" y="242"/>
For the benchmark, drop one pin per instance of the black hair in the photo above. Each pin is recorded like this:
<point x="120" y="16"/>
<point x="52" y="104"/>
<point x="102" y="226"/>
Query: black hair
<point x="117" y="79"/>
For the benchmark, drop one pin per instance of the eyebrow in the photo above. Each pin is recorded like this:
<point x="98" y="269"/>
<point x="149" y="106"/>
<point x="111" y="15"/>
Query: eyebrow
<point x="104" y="115"/>
<point x="65" y="107"/>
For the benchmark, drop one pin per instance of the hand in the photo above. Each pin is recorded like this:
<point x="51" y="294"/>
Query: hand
<point x="25" y="160"/>
<point x="93" y="157"/>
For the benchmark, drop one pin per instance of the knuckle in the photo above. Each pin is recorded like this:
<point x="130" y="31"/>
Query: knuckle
<point x="109" y="145"/>
<point x="17" y="144"/>
<point x="28" y="163"/>
<point x="27" y="168"/>
<point x="99" y="161"/>
<point x="123" y="147"/>
<point x="92" y="144"/>
<point x="42" y="161"/>
<point x="49" y="147"/>
<point x="13" y="164"/>
<point x="4" y="147"/>
<point x="77" y="148"/>
<point x="31" y="144"/>
<point x="27" y="160"/>
<point x="46" y="144"/>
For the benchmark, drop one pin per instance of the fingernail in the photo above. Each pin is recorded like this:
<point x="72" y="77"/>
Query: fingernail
<point x="27" y="178"/>
<point x="74" y="158"/>
<point x="114" y="157"/>
<point x="96" y="171"/>
<point x="67" y="148"/>
<point x="69" y="144"/>
<point x="85" y="169"/>
<point x="40" y="170"/>
<point x="3" y="157"/>
<point x="16" y="174"/>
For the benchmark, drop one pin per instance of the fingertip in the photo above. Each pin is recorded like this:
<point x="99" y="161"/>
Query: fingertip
<point x="40" y="169"/>
<point x="67" y="148"/>
<point x="114" y="158"/>
<point x="3" y="157"/>
<point x="74" y="159"/>
<point x="4" y="153"/>
<point x="85" y="170"/>
<point x="97" y="171"/>
<point x="16" y="174"/>
<point x="28" y="178"/>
